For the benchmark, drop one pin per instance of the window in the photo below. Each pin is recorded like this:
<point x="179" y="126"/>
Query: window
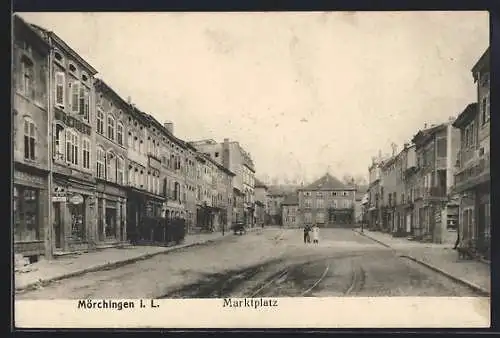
<point x="111" y="127"/>
<point x="131" y="177"/>
<point x="320" y="217"/>
<point x="26" y="83"/>
<point x="71" y="147"/>
<point x="307" y="203"/>
<point x="86" y="153"/>
<point x="84" y="102"/>
<point x="59" y="88"/>
<point x="320" y="203"/>
<point x="485" y="109"/>
<point x="26" y="222"/>
<point x="59" y="142"/>
<point x="119" y="133"/>
<point x="111" y="167"/>
<point x="149" y="182"/>
<point x="29" y="139"/>
<point x="130" y="140"/>
<point x="100" y="121"/>
<point x="100" y="160"/>
<point x="75" y="96"/>
<point x="119" y="170"/>
<point x="441" y="147"/>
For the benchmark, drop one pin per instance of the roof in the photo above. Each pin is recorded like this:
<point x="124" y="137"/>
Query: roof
<point x="281" y="189"/>
<point x="466" y="116"/>
<point x="483" y="64"/>
<point x="291" y="199"/>
<point x="424" y="134"/>
<point x="327" y="182"/>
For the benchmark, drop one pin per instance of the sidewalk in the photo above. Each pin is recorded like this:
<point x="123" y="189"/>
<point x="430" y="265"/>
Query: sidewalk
<point x="439" y="257"/>
<point x="45" y="271"/>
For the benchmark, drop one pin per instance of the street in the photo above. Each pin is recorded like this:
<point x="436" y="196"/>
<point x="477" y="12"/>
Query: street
<point x="267" y="263"/>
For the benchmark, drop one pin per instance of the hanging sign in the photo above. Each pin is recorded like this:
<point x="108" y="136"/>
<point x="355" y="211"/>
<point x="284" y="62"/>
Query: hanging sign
<point x="76" y="199"/>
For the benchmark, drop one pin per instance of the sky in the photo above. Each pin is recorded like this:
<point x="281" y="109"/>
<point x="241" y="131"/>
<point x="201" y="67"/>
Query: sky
<point x="303" y="92"/>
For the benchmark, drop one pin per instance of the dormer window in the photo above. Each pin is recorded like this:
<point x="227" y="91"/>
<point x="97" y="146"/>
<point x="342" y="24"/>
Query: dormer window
<point x="85" y="77"/>
<point x="59" y="58"/>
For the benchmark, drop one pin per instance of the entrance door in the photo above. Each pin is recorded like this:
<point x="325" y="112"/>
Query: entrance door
<point x="57" y="226"/>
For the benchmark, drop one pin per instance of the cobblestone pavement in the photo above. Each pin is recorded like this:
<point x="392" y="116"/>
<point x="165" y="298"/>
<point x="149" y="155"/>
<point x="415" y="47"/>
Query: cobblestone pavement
<point x="344" y="262"/>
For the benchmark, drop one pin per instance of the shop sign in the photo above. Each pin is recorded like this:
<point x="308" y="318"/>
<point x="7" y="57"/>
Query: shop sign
<point x="76" y="199"/>
<point x="59" y="195"/>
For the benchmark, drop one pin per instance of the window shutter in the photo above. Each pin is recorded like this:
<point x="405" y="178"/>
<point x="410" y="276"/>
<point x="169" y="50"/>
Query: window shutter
<point x="59" y="89"/>
<point x="75" y="92"/>
<point x="81" y="99"/>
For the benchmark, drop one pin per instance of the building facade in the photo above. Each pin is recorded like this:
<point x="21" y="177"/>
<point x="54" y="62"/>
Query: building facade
<point x="261" y="202"/>
<point x="111" y="164"/>
<point x="436" y="150"/>
<point x="72" y="108"/>
<point x="327" y="202"/>
<point x="290" y="211"/>
<point x="30" y="138"/>
<point x="472" y="176"/>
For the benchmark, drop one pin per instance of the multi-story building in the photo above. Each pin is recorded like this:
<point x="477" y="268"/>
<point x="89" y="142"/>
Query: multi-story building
<point x="472" y="177"/>
<point x="436" y="150"/>
<point x="327" y="202"/>
<point x="71" y="106"/>
<point x="232" y="156"/>
<point x="261" y="202"/>
<point x="275" y="199"/>
<point x="375" y="194"/>
<point x="30" y="138"/>
<point x="358" y="203"/>
<point x="145" y="200"/>
<point x="112" y="113"/>
<point x="214" y="194"/>
<point x="389" y="175"/>
<point x="405" y="206"/>
<point x="290" y="211"/>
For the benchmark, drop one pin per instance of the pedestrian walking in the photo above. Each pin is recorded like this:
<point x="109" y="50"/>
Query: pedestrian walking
<point x="307" y="238"/>
<point x="315" y="234"/>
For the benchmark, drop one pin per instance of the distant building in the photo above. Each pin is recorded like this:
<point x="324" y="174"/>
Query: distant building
<point x="290" y="211"/>
<point x="327" y="202"/>
<point x="261" y="199"/>
<point x="358" y="203"/>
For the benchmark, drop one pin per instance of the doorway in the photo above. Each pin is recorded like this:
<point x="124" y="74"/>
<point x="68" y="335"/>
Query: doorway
<point x="57" y="226"/>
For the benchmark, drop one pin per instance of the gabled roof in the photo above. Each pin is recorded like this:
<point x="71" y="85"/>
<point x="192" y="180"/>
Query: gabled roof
<point x="482" y="65"/>
<point x="327" y="182"/>
<point x="466" y="116"/>
<point x="291" y="199"/>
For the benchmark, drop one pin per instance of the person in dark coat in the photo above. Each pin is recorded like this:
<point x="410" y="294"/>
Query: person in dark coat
<point x="307" y="229"/>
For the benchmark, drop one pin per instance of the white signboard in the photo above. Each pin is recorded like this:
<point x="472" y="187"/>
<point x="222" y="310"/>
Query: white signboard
<point x="58" y="198"/>
<point x="76" y="199"/>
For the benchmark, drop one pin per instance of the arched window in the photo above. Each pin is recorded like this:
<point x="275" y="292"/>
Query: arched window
<point x="111" y="127"/>
<point x="120" y="168"/>
<point x="100" y="121"/>
<point x="119" y="133"/>
<point x="111" y="166"/>
<point x="29" y="138"/>
<point x="101" y="161"/>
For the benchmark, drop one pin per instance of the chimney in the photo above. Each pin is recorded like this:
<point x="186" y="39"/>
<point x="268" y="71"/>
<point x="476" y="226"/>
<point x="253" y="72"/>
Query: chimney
<point x="225" y="154"/>
<point x="425" y="125"/>
<point x="129" y="100"/>
<point x="169" y="126"/>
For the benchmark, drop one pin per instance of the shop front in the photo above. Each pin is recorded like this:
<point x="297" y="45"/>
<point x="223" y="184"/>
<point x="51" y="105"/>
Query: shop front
<point x="30" y="213"/>
<point x="483" y="233"/>
<point x="111" y="214"/>
<point x="340" y="217"/>
<point x="141" y="207"/>
<point x="74" y="214"/>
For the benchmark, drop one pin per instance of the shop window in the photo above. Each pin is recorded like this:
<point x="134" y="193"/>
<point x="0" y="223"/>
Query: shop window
<point x="77" y="212"/>
<point x="110" y="219"/>
<point x="26" y="222"/>
<point x="29" y="139"/>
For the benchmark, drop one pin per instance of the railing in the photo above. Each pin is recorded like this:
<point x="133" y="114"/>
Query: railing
<point x="482" y="166"/>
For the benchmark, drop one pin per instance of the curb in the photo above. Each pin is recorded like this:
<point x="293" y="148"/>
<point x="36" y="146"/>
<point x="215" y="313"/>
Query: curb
<point x="373" y="239"/>
<point x="471" y="285"/>
<point x="110" y="265"/>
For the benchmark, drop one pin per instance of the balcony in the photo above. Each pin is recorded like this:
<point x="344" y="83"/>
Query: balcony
<point x="477" y="173"/>
<point x="435" y="193"/>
